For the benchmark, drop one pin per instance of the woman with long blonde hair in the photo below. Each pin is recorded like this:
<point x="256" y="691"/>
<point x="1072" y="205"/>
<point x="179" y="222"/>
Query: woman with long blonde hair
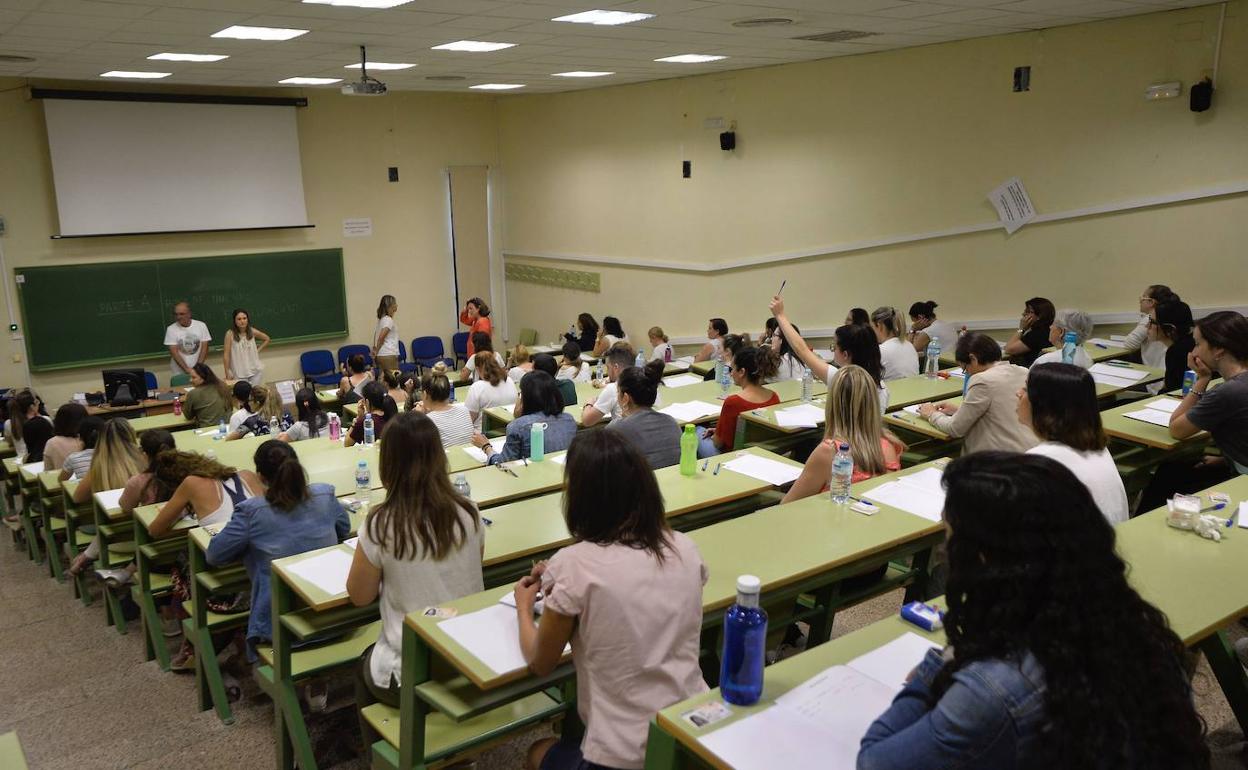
<point x="116" y="458"/>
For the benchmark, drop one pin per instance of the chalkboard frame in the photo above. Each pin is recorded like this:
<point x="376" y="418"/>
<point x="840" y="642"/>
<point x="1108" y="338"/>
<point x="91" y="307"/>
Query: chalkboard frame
<point x="20" y="272"/>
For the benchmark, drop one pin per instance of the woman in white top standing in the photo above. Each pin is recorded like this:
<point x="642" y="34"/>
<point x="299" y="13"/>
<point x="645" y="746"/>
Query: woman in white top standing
<point x="713" y="350"/>
<point x="386" y="335"/>
<point x="1152" y="353"/>
<point x="897" y="358"/>
<point x="1065" y="321"/>
<point x="1059" y="405"/>
<point x="242" y="354"/>
<point x="452" y="420"/>
<point x="492" y="388"/>
<point x="925" y="327"/>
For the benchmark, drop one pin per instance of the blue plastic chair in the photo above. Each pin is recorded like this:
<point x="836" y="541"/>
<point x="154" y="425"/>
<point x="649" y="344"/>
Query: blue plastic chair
<point x="318" y="367"/>
<point x="346" y="351"/>
<point x="149" y="378"/>
<point x="404" y="364"/>
<point x="427" y="351"/>
<point x="459" y="344"/>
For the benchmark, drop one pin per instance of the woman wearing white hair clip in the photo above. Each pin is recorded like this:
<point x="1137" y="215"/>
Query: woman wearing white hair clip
<point x="1064" y="321"/>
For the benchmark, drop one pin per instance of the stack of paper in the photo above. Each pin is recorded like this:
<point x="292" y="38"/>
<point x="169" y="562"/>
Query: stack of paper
<point x="689" y="411"/>
<point x="328" y="393"/>
<point x="1116" y="376"/>
<point x="1243" y="514"/>
<point x="800" y="416"/>
<point x="770" y="471"/>
<point x="912" y="409"/>
<point x="820" y="723"/>
<point x="327" y="571"/>
<point x="918" y="493"/>
<point x="681" y="380"/>
<point x="957" y="372"/>
<point x="476" y="454"/>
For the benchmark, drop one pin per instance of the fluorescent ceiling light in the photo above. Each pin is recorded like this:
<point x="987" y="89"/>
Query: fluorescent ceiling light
<point x="137" y="75"/>
<point x="605" y="18"/>
<point x="187" y="57"/>
<point x="497" y="86"/>
<point x="361" y="3"/>
<point x="581" y="74"/>
<point x="310" y="81"/>
<point x="691" y="58"/>
<point x="475" y="46"/>
<point x="243" y="32"/>
<point x="382" y="65"/>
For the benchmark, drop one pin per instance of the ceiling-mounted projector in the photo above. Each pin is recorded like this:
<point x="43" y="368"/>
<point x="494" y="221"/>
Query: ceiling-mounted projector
<point x="365" y="86"/>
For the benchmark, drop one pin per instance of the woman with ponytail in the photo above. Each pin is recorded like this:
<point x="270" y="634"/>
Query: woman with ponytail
<point x="291" y="517"/>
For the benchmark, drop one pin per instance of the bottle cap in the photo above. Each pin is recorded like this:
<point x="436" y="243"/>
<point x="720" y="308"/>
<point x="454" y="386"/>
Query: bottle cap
<point x="843" y="446"/>
<point x="749" y="584"/>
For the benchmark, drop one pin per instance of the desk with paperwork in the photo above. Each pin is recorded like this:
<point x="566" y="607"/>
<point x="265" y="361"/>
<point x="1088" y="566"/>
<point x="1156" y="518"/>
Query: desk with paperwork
<point x="499" y="417"/>
<point x="1118" y="425"/>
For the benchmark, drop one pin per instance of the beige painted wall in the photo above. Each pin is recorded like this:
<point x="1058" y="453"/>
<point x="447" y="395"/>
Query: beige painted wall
<point x="841" y="150"/>
<point x="346" y="145"/>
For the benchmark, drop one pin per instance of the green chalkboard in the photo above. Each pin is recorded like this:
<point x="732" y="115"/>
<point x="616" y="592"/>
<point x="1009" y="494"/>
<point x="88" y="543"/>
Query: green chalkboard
<point x="112" y="312"/>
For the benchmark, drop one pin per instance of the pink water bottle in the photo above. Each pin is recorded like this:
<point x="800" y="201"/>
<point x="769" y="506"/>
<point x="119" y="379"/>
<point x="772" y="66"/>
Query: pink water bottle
<point x="335" y="427"/>
<point x="177" y="405"/>
<point x="667" y="354"/>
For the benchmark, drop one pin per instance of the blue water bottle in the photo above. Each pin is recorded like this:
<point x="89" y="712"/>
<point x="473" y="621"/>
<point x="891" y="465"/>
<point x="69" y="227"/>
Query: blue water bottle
<point x="932" y="365"/>
<point x="1070" y="342"/>
<point x="745" y="645"/>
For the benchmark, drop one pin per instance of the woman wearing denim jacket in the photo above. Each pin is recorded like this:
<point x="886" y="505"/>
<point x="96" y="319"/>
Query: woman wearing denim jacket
<point x="540" y="401"/>
<point x="1054" y="661"/>
<point x="292" y="517"/>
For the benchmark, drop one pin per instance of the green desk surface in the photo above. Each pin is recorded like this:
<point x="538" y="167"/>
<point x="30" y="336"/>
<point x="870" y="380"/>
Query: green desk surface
<point x="783" y="677"/>
<point x="146" y="514"/>
<point x="492" y="486"/>
<point x="916" y="424"/>
<point x="11" y="466"/>
<point x="11" y="755"/>
<point x="28" y="474"/>
<point x="702" y="367"/>
<point x="111" y="510"/>
<point x="1179" y="391"/>
<point x="50" y="482"/>
<point x="1144" y="433"/>
<point x="804" y="539"/>
<point x="586" y="393"/>
<point x="6" y="449"/>
<point x="169" y="421"/>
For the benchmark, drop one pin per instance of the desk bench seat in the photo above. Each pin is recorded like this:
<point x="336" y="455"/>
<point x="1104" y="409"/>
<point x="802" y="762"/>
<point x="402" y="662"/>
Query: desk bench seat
<point x="309" y="661"/>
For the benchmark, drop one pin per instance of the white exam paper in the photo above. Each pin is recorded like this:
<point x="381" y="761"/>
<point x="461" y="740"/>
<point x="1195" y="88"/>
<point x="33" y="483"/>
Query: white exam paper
<point x="1103" y="341"/>
<point x="690" y="411"/>
<point x="892" y="663"/>
<point x="491" y="634"/>
<point x="1154" y="416"/>
<point x="476" y="454"/>
<point x="1167" y="405"/>
<point x="109" y="499"/>
<point x="1243" y="514"/>
<point x="917" y="493"/>
<point x="33" y="467"/>
<point x="681" y="380"/>
<point x="327" y="571"/>
<point x="764" y="469"/>
<point x="800" y="416"/>
<point x="1119" y="372"/>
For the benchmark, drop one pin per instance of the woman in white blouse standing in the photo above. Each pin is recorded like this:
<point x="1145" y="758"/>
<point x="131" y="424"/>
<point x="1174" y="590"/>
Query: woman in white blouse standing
<point x="897" y="357"/>
<point x="386" y="335"/>
<point x="242" y="353"/>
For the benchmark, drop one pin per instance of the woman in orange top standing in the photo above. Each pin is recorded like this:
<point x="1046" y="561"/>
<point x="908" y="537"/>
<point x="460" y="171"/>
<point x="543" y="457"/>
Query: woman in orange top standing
<point x="476" y="316"/>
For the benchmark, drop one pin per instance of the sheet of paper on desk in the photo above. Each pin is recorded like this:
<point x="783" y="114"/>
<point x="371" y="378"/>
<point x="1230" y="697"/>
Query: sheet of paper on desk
<point x="1117" y="338"/>
<point x="328" y="393"/>
<point x="1154" y="416"/>
<point x="1120" y="372"/>
<point x="1103" y="341"/>
<point x="33" y="467"/>
<point x="491" y="634"/>
<point x="1101" y="378"/>
<point x="912" y="409"/>
<point x="688" y="411"/>
<point x="109" y="499"/>
<point x="476" y="454"/>
<point x="1167" y="405"/>
<point x="915" y="494"/>
<point x="1243" y="514"/>
<point x="351" y="542"/>
<point x="559" y="459"/>
<point x="771" y="471"/>
<point x="892" y="663"/>
<point x="327" y="571"/>
<point x="957" y="372"/>
<point x="800" y="416"/>
<point x="681" y="380"/>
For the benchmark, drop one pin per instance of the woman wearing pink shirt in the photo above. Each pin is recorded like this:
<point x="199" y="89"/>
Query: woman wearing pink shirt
<point x="627" y="595"/>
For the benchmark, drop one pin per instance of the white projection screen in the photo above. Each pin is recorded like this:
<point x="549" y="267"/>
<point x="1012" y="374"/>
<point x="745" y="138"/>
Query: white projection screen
<point x="151" y="167"/>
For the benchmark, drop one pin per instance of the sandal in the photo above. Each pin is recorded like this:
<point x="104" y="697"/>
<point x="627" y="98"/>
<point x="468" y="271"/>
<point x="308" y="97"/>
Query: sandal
<point x="81" y="562"/>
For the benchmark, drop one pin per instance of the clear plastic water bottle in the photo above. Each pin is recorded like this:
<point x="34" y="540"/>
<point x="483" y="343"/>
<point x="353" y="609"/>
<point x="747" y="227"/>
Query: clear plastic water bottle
<point x="932" y="365"/>
<point x="721" y="374"/>
<point x="842" y="474"/>
<point x="368" y="428"/>
<point x="745" y="645"/>
<point x="537" y="442"/>
<point x="335" y="428"/>
<point x="807" y="385"/>
<point x="461" y="486"/>
<point x="689" y="451"/>
<point x="452" y="392"/>
<point x="640" y="361"/>
<point x="274" y="426"/>
<point x="221" y="429"/>
<point x="1069" y="345"/>
<point x="363" y="483"/>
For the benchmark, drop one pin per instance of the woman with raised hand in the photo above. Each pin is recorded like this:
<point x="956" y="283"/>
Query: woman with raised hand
<point x="854" y="343"/>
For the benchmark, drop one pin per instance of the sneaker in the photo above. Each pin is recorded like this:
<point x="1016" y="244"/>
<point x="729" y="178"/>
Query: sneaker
<point x="1241" y="651"/>
<point x="170" y="627"/>
<point x="115" y="578"/>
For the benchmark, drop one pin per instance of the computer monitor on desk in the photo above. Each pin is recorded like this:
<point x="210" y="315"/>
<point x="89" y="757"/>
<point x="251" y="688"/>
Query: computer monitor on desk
<point x="124" y="387"/>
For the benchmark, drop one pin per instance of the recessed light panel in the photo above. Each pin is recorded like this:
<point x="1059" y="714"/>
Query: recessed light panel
<point x="498" y="86"/>
<point x="361" y="3"/>
<point x="691" y="58"/>
<point x="310" y="81"/>
<point x="200" y="57"/>
<point x="582" y="74"/>
<point x="382" y="65"/>
<point x="604" y="18"/>
<point x="472" y="46"/>
<point x="135" y="75"/>
<point x="243" y="32"/>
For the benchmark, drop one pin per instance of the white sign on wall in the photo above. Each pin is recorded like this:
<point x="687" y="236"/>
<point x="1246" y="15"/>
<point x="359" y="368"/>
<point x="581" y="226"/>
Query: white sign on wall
<point x="357" y="228"/>
<point x="1013" y="205"/>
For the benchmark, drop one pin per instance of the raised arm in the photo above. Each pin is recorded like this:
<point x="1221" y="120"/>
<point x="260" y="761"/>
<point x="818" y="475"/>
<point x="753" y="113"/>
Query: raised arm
<point x="818" y="367"/>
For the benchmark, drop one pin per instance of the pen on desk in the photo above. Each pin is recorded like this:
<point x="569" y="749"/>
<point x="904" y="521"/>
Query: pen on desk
<point x="1214" y="507"/>
<point x="1101" y="346"/>
<point x="705" y="463"/>
<point x="1119" y="364"/>
<point x="717" y="467"/>
<point x="505" y="469"/>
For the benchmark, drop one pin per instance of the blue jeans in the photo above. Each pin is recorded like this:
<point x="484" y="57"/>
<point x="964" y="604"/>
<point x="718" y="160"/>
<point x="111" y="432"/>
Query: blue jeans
<point x="706" y="447"/>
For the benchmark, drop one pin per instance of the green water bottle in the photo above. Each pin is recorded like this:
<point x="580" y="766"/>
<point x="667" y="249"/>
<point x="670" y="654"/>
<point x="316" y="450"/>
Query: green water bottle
<point x="689" y="451"/>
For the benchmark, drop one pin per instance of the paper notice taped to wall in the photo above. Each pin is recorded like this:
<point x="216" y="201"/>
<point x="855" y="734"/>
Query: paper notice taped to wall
<point x="1012" y="204"/>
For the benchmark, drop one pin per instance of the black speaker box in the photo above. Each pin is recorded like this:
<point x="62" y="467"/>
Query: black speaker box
<point x="1202" y="95"/>
<point x="728" y="141"/>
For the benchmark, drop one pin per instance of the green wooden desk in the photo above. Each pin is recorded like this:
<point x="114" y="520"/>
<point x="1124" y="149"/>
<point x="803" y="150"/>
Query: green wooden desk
<point x="11" y="755"/>
<point x="702" y="368"/>
<point x="52" y="520"/>
<point x="169" y="422"/>
<point x="1097" y="352"/>
<point x="1144" y="433"/>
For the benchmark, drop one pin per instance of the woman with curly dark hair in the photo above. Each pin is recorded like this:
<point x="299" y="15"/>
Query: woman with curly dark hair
<point x="1053" y="660"/>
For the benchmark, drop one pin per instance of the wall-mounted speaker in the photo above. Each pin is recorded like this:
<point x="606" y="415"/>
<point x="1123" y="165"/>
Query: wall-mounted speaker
<point x="1202" y="95"/>
<point x="728" y="141"/>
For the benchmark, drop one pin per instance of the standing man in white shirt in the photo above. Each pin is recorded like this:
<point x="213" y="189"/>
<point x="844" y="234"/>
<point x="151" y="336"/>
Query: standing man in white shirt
<point x="187" y="340"/>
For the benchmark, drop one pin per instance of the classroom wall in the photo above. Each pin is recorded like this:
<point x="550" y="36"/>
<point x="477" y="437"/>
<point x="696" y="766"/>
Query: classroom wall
<point x="346" y="145"/>
<point x="845" y="150"/>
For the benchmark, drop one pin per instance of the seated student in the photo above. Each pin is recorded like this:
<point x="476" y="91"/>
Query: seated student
<point x="78" y="463"/>
<point x="713" y="350"/>
<point x="571" y="367"/>
<point x="1170" y="328"/>
<point x="925" y="327"/>
<point x="351" y="387"/>
<point x="1032" y="336"/>
<point x="36" y="433"/>
<point x="65" y="440"/>
<point x="1151" y="353"/>
<point x="545" y="362"/>
<point x="1065" y="321"/>
<point x="1221" y="350"/>
<point x="207" y="488"/>
<point x="242" y="402"/>
<point x="392" y="379"/>
<point x="771" y="334"/>
<point x="208" y="402"/>
<point x="291" y="517"/>
<point x="116" y="458"/>
<point x="587" y="332"/>
<point x="857" y="316"/>
<point x="852" y="344"/>
<point x="381" y="406"/>
<point x="492" y="388"/>
<point x="987" y="417"/>
<point x="539" y="401"/>
<point x="611" y="333"/>
<point x="750" y="368"/>
<point x="419" y="548"/>
<point x="144" y="488"/>
<point x="618" y="358"/>
<point x="521" y="364"/>
<point x="1059" y="406"/>
<point x="452" y="420"/>
<point x="264" y="405"/>
<point x="312" y="420"/>
<point x="1038" y="671"/>
<point x="897" y="358"/>
<point x="24" y="407"/>
<point x="791" y="366"/>
<point x="851" y="415"/>
<point x="660" y="347"/>
<point x="482" y="343"/>
<point x="627" y="595"/>
<point x="656" y="435"/>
